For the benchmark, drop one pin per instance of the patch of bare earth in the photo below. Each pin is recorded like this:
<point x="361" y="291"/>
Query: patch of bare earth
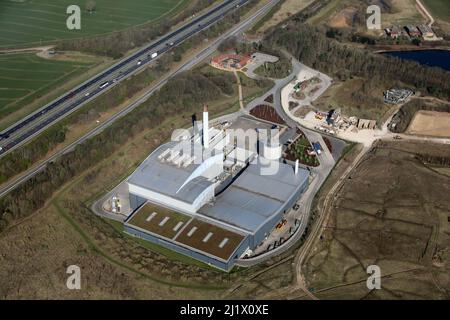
<point x="430" y="123"/>
<point x="392" y="212"/>
<point x="343" y="19"/>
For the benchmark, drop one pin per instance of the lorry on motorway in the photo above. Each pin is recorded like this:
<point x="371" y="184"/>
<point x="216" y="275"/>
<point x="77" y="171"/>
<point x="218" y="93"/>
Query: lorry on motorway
<point x="104" y="85"/>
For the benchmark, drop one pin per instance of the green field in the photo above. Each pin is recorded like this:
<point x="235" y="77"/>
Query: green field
<point x="41" y="21"/>
<point x="27" y="77"/>
<point x="440" y="9"/>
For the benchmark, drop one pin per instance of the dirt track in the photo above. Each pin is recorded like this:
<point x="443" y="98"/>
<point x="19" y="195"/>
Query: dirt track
<point x="391" y="212"/>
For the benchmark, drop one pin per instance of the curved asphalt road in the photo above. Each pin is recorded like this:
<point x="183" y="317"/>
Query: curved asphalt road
<point x="320" y="173"/>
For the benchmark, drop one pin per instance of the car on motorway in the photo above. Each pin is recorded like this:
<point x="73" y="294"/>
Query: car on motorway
<point x="76" y="97"/>
<point x="87" y="94"/>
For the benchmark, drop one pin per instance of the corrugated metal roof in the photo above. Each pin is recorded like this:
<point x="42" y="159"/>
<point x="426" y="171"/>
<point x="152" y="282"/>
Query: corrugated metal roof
<point x="253" y="198"/>
<point x="167" y="178"/>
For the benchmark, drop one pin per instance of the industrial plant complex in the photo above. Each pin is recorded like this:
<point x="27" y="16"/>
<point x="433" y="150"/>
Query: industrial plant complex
<point x="245" y="151"/>
<point x="214" y="192"/>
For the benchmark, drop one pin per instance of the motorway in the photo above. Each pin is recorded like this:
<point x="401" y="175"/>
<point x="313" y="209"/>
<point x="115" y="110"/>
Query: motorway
<point x="201" y="56"/>
<point x="33" y="124"/>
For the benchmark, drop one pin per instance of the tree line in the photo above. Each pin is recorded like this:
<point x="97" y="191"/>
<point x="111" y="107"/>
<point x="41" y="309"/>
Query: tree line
<point x="119" y="43"/>
<point x="23" y="158"/>
<point x="184" y="93"/>
<point x="315" y="49"/>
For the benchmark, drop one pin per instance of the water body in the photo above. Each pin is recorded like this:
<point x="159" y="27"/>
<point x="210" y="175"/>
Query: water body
<point x="432" y="58"/>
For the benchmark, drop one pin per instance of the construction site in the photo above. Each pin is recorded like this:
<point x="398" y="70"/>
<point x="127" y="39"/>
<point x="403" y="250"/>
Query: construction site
<point x="306" y="88"/>
<point x="298" y="96"/>
<point x="397" y="96"/>
<point x="298" y="100"/>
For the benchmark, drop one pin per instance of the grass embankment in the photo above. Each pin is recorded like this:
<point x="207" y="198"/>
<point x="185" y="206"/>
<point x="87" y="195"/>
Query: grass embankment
<point x="438" y="8"/>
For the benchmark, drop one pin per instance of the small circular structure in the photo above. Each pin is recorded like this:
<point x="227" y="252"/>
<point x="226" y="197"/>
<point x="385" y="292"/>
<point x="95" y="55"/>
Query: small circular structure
<point x="271" y="151"/>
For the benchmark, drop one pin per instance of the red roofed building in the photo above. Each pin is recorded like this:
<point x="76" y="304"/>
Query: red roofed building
<point x="413" y="31"/>
<point x="230" y="61"/>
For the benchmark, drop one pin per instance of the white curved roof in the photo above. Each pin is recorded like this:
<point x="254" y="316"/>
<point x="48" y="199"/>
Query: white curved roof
<point x="182" y="183"/>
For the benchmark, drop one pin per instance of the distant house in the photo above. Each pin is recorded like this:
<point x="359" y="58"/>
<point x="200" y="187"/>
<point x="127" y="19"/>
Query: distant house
<point x="413" y="31"/>
<point x="426" y="31"/>
<point x="394" y="32"/>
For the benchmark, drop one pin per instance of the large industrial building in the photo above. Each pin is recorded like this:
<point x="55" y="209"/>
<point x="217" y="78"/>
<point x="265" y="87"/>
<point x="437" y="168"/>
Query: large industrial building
<point x="206" y="196"/>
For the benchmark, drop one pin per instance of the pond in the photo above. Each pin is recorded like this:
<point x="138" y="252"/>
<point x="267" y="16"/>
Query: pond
<point x="432" y="58"/>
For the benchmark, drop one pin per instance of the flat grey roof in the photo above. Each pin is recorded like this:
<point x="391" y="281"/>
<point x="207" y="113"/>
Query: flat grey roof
<point x="167" y="178"/>
<point x="254" y="198"/>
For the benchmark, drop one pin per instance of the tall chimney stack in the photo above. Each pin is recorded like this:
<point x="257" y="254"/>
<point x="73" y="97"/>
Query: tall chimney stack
<point x="194" y="120"/>
<point x="205" y="127"/>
